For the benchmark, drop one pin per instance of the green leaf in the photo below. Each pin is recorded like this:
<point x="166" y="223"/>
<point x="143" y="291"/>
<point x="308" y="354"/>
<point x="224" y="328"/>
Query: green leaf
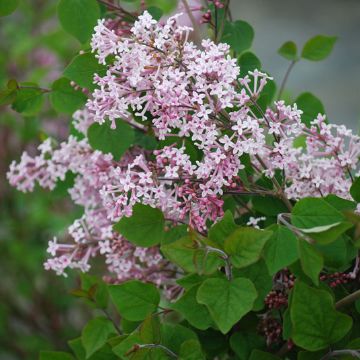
<point x="29" y="100"/>
<point x="128" y="326"/>
<point x="114" y="141"/>
<point x="147" y="354"/>
<point x="174" y="335"/>
<point x="223" y="228"/>
<point x="135" y="300"/>
<point x="287" y="326"/>
<point x="126" y="345"/>
<point x="55" y="355"/>
<point x="188" y="281"/>
<point x="80" y="293"/>
<point x="82" y="68"/>
<point x="95" y="334"/>
<point x="300" y="142"/>
<point x="318" y="48"/>
<point x="262" y="355"/>
<point x="311" y="107"/>
<point x="335" y="254"/>
<point x="77" y="348"/>
<point x="79" y="17"/>
<point x="213" y="342"/>
<point x="155" y="12"/>
<point x="330" y="233"/>
<point x="288" y="50"/>
<point x="355" y="190"/>
<point x="174" y="233"/>
<point x="281" y="249"/>
<point x="258" y="274"/>
<point x="354" y="344"/>
<point x="96" y="289"/>
<point x="245" y="245"/>
<point x="267" y="95"/>
<point x="7" y="96"/>
<point x="316" y="324"/>
<point x="150" y="330"/>
<point x="12" y="84"/>
<point x="196" y="314"/>
<point x="248" y="61"/>
<point x="239" y="35"/>
<point x="145" y="141"/>
<point x="183" y="252"/>
<point x="269" y="206"/>
<point x="311" y="260"/>
<point x="145" y="227"/>
<point x="227" y="301"/>
<point x="166" y="6"/>
<point x="191" y="350"/>
<point x="64" y="98"/>
<point x="312" y="355"/>
<point x="242" y="343"/>
<point x="7" y="7"/>
<point x="312" y="213"/>
<point x="340" y="203"/>
<point x="319" y="220"/>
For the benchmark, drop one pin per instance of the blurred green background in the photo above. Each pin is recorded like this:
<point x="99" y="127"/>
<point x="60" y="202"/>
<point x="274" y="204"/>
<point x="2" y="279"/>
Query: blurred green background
<point x="36" y="310"/>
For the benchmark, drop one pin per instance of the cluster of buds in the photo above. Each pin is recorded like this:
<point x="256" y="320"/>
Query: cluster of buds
<point x="79" y="88"/>
<point x="217" y="3"/>
<point x="206" y="18"/>
<point x="276" y="299"/>
<point x="336" y="279"/>
<point x="271" y="329"/>
<point x="290" y="344"/>
<point x="284" y="281"/>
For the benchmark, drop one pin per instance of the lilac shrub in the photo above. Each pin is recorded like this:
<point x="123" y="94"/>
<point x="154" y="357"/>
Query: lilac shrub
<point x="192" y="179"/>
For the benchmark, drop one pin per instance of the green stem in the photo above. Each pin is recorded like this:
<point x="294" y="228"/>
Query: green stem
<point x="288" y="71"/>
<point x="116" y="8"/>
<point x="112" y="320"/>
<point x="221" y="30"/>
<point x="193" y="21"/>
<point x="159" y="346"/>
<point x="216" y="23"/>
<point x="34" y="88"/>
<point x="347" y="300"/>
<point x="336" y="353"/>
<point x="226" y="258"/>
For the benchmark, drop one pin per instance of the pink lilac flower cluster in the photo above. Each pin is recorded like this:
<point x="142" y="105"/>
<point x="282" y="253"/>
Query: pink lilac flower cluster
<point x="196" y="93"/>
<point x="92" y="234"/>
<point x="158" y="80"/>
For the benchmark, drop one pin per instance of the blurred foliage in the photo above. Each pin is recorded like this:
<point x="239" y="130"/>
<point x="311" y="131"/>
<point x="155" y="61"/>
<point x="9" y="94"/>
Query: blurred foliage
<point x="36" y="311"/>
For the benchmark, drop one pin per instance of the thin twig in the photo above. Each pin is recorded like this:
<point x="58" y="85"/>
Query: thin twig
<point x="284" y="349"/>
<point x="288" y="71"/>
<point x="221" y="30"/>
<point x="216" y="22"/>
<point x="112" y="320"/>
<point x="336" y="353"/>
<point x="347" y="300"/>
<point x="193" y="21"/>
<point x="159" y="346"/>
<point x="225" y="257"/>
<point x="356" y="269"/>
<point x="116" y="8"/>
<point x="281" y="220"/>
<point x="34" y="88"/>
